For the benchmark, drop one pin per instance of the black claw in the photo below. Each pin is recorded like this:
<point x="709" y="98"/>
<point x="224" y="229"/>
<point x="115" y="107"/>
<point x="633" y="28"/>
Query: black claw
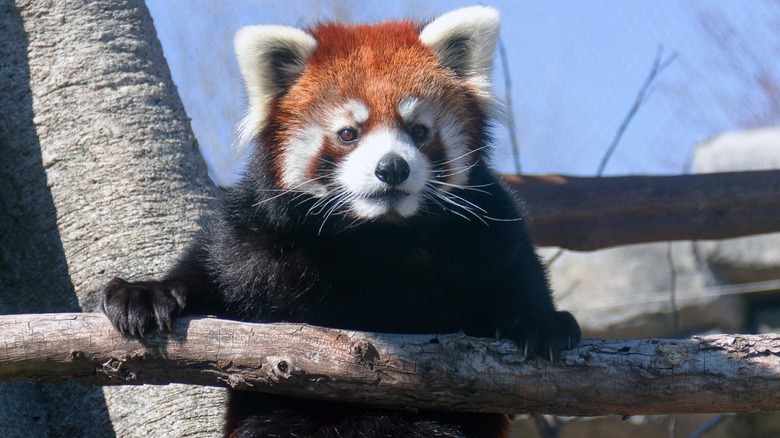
<point x="546" y="335"/>
<point x="137" y="308"/>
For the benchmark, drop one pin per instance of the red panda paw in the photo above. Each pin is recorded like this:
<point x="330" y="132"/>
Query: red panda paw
<point x="547" y="335"/>
<point x="139" y="307"/>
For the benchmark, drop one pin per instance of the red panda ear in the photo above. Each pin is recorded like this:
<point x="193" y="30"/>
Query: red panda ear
<point x="270" y="58"/>
<point x="465" y="40"/>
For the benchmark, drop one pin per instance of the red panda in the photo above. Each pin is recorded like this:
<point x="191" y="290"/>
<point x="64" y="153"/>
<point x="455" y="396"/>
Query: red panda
<point x="367" y="204"/>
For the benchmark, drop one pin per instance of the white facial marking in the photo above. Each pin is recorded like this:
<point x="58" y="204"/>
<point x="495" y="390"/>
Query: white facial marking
<point x="358" y="110"/>
<point x="414" y="111"/>
<point x="451" y="132"/>
<point x="407" y="108"/>
<point x="356" y="174"/>
<point x="350" y="115"/>
<point x="303" y="147"/>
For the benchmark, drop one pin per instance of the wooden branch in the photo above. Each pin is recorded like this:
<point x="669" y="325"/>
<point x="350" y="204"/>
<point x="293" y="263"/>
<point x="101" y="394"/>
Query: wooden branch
<point x="722" y="373"/>
<point x="592" y="213"/>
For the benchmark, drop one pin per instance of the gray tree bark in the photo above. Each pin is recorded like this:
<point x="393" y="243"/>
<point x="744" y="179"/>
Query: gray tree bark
<point x="100" y="176"/>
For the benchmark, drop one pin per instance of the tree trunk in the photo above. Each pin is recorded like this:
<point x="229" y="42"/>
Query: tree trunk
<point x="719" y="373"/>
<point x="100" y="176"/>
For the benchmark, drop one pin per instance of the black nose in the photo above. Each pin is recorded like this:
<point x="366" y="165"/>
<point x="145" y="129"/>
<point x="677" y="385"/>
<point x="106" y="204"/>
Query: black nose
<point x="392" y="169"/>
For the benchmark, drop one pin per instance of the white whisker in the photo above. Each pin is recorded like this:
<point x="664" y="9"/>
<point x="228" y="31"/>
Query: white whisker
<point x="460" y="198"/>
<point x="458" y="171"/>
<point x="473" y="151"/>
<point x="283" y="192"/>
<point x="340" y="199"/>
<point x="468" y="209"/>
<point x="446" y="197"/>
<point x="461" y="187"/>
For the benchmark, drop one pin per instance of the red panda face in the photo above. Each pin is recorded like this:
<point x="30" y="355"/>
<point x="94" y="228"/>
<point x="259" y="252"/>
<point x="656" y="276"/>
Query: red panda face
<point x="374" y="121"/>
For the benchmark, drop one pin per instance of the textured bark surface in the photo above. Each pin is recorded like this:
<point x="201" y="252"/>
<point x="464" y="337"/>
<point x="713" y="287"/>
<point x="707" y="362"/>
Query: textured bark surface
<point x="719" y="373"/>
<point x="100" y="176"/>
<point x="593" y="213"/>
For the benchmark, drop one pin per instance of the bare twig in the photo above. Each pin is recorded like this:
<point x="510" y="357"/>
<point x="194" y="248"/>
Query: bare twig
<point x="510" y="112"/>
<point x="659" y="64"/>
<point x="673" y="288"/>
<point x="709" y="425"/>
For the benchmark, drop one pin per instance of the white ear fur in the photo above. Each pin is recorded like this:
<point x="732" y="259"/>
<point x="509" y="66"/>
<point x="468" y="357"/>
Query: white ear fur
<point x="465" y="41"/>
<point x="270" y="59"/>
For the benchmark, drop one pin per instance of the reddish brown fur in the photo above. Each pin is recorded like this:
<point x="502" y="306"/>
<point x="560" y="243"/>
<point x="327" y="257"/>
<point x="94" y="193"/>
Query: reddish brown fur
<point x="377" y="64"/>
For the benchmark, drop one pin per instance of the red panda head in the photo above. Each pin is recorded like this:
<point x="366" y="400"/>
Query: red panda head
<point x="372" y="120"/>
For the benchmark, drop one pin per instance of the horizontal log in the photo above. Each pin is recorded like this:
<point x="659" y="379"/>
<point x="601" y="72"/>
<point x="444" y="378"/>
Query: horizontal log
<point x="722" y="373"/>
<point x="593" y="213"/>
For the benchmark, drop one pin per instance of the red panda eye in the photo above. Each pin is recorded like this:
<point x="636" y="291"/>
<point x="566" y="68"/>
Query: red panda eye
<point x="419" y="133"/>
<point x="348" y="135"/>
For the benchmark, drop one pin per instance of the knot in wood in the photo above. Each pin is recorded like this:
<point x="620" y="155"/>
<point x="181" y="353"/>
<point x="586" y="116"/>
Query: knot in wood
<point x="365" y="352"/>
<point x="671" y="354"/>
<point x="281" y="368"/>
<point x="237" y="382"/>
<point x="113" y="365"/>
<point x="113" y="369"/>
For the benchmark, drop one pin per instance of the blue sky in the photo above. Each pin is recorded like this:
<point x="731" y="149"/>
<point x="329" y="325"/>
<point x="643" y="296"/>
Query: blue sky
<point x="575" y="67"/>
